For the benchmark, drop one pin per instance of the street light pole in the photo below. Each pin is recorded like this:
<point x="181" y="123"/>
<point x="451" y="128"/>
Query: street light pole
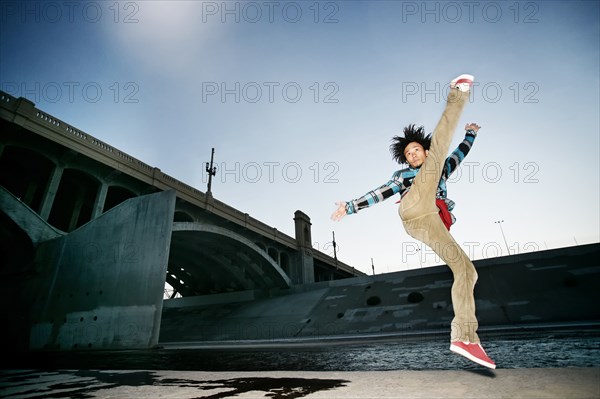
<point x="211" y="170"/>
<point x="334" y="250"/>
<point x="499" y="222"/>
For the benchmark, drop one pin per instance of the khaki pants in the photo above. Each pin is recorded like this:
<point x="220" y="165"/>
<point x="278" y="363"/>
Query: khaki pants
<point x="420" y="217"/>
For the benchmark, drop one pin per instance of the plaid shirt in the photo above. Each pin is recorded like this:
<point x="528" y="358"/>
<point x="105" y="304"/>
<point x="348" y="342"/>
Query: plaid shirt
<point x="402" y="180"/>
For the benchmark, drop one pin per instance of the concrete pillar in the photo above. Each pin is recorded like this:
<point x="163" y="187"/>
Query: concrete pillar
<point x="305" y="251"/>
<point x="100" y="200"/>
<point x="302" y="224"/>
<point x="23" y="106"/>
<point x="30" y="192"/>
<point x="79" y="198"/>
<point x="50" y="193"/>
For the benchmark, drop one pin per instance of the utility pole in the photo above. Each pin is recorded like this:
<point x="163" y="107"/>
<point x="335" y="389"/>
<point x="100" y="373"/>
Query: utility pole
<point x="372" y="266"/>
<point x="211" y="170"/>
<point x="499" y="222"/>
<point x="334" y="251"/>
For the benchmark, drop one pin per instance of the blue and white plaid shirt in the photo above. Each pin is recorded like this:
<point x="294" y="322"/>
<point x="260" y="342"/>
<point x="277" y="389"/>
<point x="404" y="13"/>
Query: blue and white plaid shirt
<point x="402" y="180"/>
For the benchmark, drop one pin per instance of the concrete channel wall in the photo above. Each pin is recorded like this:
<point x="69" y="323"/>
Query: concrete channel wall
<point x="554" y="286"/>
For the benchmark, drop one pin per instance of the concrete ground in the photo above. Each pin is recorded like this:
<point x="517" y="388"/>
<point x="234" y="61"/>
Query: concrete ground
<point x="572" y="383"/>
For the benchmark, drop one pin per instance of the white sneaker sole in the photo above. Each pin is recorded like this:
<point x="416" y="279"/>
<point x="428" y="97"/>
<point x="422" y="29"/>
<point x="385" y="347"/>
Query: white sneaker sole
<point x="466" y="354"/>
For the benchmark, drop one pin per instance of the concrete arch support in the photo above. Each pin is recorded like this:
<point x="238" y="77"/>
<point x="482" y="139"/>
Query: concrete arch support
<point x="224" y="249"/>
<point x="100" y="286"/>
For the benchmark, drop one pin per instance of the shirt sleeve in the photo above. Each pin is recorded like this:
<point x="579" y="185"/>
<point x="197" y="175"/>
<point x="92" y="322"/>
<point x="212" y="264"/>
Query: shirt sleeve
<point x="459" y="154"/>
<point x="392" y="187"/>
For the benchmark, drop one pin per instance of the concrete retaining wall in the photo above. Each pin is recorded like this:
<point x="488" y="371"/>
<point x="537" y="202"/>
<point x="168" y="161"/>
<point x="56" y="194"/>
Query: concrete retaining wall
<point x="544" y="287"/>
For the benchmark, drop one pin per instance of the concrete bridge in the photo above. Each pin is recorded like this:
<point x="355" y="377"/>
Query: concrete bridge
<point x="89" y="236"/>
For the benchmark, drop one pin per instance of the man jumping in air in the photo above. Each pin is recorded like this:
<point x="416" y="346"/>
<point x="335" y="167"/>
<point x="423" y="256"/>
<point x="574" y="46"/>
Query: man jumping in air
<point x="426" y="212"/>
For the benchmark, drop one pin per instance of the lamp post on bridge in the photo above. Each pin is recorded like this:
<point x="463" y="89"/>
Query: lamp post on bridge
<point x="212" y="171"/>
<point x="499" y="222"/>
<point x="334" y="250"/>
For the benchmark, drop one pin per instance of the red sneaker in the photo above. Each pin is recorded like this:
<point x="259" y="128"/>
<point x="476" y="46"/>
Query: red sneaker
<point x="462" y="82"/>
<point x="472" y="352"/>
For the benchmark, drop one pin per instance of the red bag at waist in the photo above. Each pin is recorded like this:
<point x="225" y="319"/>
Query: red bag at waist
<point x="444" y="212"/>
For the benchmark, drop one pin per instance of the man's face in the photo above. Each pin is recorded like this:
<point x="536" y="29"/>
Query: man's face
<point x="415" y="154"/>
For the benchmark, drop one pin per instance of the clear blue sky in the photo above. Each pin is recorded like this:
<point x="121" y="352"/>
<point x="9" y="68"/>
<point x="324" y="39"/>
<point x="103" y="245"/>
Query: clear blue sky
<point x="300" y="101"/>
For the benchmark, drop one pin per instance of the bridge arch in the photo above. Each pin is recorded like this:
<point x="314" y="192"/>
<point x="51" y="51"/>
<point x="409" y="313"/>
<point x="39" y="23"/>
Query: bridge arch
<point x="208" y="259"/>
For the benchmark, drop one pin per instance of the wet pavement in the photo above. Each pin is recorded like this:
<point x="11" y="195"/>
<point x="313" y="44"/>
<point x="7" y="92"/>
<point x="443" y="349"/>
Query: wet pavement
<point x="547" y="349"/>
<point x="559" y="383"/>
<point x="541" y="364"/>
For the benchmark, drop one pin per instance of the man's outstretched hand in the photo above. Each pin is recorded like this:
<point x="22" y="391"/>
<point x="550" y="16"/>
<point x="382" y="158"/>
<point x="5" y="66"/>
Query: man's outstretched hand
<point x="340" y="212"/>
<point x="472" y="126"/>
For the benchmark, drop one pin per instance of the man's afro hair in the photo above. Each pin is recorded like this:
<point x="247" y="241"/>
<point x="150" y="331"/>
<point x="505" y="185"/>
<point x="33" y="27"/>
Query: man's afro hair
<point x="411" y="134"/>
